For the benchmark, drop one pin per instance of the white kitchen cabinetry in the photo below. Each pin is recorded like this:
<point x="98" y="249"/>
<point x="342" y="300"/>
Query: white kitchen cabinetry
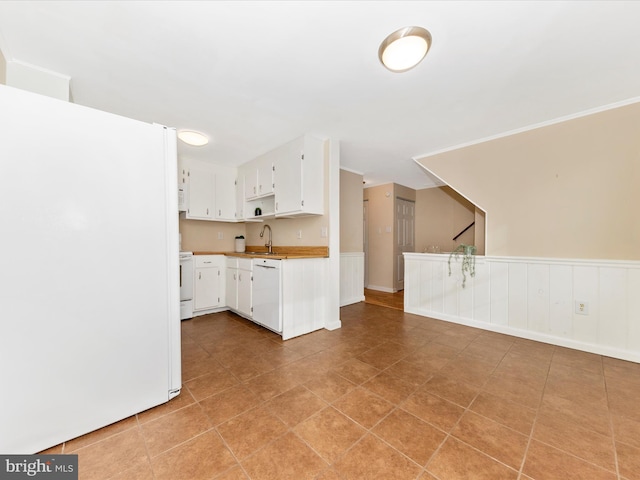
<point x="250" y="177"/>
<point x="245" y="284"/>
<point x="299" y="295"/>
<point x="208" y="290"/>
<point x="200" y="203"/>
<point x="225" y="193"/>
<point x="211" y="191"/>
<point x="265" y="174"/>
<point x="231" y="282"/>
<point x="239" y="278"/>
<point x="258" y="176"/>
<point x="299" y="177"/>
<point x="239" y="193"/>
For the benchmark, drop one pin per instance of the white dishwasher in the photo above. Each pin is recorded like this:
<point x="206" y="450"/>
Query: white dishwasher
<point x="266" y="292"/>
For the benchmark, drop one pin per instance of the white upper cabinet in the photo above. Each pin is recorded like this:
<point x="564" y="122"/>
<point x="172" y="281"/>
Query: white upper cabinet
<point x="258" y="177"/>
<point x="225" y="193"/>
<point x="299" y="177"/>
<point x="265" y="174"/>
<point x="250" y="176"/>
<point x="201" y="198"/>
<point x="210" y="191"/>
<point x="239" y="193"/>
<point x="286" y="182"/>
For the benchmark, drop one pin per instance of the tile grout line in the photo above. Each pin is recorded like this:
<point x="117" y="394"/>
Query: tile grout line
<point x="146" y="447"/>
<point x="611" y="426"/>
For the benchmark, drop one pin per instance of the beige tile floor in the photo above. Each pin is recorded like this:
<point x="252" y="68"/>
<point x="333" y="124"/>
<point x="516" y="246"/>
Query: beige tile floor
<point x="388" y="396"/>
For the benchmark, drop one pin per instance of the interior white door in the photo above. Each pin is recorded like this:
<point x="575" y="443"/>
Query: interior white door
<point x="405" y="236"/>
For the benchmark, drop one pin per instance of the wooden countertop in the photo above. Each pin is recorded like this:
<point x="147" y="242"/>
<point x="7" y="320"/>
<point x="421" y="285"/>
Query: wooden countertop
<point x="281" y="252"/>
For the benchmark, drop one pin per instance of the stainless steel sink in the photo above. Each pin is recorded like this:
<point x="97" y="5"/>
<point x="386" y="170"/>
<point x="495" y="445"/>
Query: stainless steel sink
<point x="261" y="253"/>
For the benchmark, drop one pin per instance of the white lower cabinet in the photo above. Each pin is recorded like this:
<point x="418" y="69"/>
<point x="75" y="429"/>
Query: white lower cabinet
<point x="239" y="285"/>
<point x="208" y="290"/>
<point x="231" y="281"/>
<point x="301" y="300"/>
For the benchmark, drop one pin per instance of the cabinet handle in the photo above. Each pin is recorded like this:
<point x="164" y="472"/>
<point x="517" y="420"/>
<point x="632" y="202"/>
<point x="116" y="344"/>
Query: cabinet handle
<point x="260" y="188"/>
<point x="276" y="206"/>
<point x="219" y="214"/>
<point x="199" y="275"/>
<point x="240" y="277"/>
<point x="207" y="211"/>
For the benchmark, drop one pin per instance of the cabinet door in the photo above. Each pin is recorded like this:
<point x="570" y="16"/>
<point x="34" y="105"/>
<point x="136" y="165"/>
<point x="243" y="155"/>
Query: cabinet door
<point x="225" y="194"/>
<point x="231" y="281"/>
<point x="250" y="181"/>
<point x="240" y="196"/>
<point x="288" y="177"/>
<point x="206" y="288"/>
<point x="244" y="292"/>
<point x="265" y="174"/>
<point x="201" y="188"/>
<point x="299" y="178"/>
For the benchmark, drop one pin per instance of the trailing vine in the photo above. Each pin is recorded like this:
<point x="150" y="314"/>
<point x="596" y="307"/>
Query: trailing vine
<point x="468" y="260"/>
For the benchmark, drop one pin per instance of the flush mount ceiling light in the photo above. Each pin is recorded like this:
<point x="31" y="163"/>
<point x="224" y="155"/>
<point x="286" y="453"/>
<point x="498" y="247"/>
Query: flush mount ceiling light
<point x="404" y="48"/>
<point x="190" y="137"/>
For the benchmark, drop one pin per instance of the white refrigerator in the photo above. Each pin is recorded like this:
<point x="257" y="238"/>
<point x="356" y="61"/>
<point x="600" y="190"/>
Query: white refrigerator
<point x="89" y="286"/>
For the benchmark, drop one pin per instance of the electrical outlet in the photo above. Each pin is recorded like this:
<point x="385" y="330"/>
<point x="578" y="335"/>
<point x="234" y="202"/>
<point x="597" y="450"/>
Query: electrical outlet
<point x="582" y="307"/>
<point x="220" y="235"/>
<point x="299" y="234"/>
<point x="323" y="232"/>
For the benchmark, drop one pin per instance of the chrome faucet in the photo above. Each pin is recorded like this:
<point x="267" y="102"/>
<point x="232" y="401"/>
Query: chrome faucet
<point x="269" y="245"/>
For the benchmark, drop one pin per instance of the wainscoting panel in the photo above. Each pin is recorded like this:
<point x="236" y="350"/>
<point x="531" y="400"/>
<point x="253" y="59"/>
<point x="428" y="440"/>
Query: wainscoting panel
<point x="304" y="296"/>
<point x="560" y="304"/>
<point x="351" y="278"/>
<point x="534" y="298"/>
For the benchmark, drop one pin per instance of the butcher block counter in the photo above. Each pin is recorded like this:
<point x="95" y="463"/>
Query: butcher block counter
<point x="279" y="252"/>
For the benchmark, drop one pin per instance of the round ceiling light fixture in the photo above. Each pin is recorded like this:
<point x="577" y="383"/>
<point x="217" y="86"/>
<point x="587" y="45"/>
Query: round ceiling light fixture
<point x="190" y="137"/>
<point x="404" y="48"/>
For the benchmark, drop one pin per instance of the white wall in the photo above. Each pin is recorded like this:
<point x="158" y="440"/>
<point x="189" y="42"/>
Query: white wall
<point x="37" y="80"/>
<point x="534" y="298"/>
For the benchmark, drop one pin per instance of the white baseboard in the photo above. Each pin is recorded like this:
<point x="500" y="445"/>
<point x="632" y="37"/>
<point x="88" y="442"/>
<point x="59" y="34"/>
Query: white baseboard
<point x="333" y="325"/>
<point x="350" y="301"/>
<point x="380" y="289"/>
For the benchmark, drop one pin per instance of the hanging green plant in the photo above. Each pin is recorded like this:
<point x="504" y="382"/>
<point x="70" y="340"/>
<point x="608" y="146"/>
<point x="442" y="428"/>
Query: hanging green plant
<point x="468" y="260"/>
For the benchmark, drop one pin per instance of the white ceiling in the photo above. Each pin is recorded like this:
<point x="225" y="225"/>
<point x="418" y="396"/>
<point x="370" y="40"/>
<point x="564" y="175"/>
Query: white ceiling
<point x="254" y="75"/>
